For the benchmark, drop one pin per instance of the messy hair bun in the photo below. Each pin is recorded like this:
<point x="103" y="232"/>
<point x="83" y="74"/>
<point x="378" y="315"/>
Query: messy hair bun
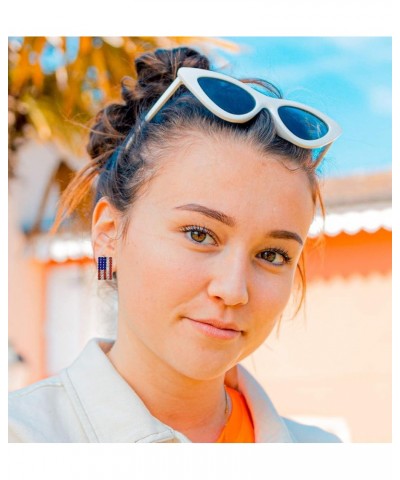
<point x="155" y="72"/>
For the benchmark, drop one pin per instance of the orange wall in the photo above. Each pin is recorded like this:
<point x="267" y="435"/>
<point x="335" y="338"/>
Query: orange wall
<point x="362" y="253"/>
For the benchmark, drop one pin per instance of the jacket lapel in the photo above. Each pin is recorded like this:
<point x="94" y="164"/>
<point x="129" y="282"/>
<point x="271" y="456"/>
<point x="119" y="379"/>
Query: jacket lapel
<point x="269" y="427"/>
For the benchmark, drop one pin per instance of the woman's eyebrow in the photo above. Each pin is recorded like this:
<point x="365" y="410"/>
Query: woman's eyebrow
<point x="231" y="222"/>
<point x="286" y="235"/>
<point x="209" y="212"/>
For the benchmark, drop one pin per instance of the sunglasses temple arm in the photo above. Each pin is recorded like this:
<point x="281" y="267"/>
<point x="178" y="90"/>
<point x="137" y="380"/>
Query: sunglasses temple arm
<point x="321" y="156"/>
<point x="163" y="99"/>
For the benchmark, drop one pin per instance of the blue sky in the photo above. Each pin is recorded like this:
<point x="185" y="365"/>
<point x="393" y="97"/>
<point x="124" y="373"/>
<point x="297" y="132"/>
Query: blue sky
<point x="349" y="78"/>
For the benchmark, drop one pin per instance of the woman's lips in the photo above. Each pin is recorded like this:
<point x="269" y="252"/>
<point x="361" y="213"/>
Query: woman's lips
<point x="213" y="331"/>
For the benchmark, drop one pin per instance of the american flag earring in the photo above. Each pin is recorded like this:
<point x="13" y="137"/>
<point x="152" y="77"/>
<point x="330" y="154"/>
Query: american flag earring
<point x="104" y="268"/>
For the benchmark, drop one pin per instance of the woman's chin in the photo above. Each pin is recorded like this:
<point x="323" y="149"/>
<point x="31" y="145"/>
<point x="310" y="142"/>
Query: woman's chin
<point x="204" y="369"/>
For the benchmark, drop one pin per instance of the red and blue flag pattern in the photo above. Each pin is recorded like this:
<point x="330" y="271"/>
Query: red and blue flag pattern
<point x="104" y="268"/>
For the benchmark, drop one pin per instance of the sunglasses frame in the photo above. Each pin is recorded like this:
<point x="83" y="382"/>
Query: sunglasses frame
<point x="189" y="77"/>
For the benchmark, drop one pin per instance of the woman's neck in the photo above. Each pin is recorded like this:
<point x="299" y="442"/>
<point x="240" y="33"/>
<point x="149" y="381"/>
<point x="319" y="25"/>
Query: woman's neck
<point x="196" y="408"/>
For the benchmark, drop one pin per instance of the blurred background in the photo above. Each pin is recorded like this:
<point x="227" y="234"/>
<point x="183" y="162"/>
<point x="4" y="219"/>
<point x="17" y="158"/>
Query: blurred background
<point x="330" y="365"/>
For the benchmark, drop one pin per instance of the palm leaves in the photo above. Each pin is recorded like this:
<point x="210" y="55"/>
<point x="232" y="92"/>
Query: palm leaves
<point x="57" y="84"/>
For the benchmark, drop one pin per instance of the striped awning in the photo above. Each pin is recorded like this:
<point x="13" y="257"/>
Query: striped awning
<point x="352" y="222"/>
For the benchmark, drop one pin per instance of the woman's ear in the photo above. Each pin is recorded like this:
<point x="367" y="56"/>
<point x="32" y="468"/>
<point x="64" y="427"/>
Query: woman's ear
<point x="105" y="224"/>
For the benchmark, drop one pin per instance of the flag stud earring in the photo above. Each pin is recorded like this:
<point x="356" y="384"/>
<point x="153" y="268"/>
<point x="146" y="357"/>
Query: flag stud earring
<point x="104" y="268"/>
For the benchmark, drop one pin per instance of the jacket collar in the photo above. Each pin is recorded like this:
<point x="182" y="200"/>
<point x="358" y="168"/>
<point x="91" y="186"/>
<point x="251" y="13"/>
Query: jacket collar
<point x="109" y="409"/>
<point x="111" y="412"/>
<point x="269" y="427"/>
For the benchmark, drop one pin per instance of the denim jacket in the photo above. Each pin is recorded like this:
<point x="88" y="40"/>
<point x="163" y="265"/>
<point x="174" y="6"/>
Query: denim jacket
<point x="90" y="402"/>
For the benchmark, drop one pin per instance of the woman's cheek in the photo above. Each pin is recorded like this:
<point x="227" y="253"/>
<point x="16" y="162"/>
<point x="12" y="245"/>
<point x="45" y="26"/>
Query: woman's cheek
<point x="272" y="294"/>
<point x="173" y="268"/>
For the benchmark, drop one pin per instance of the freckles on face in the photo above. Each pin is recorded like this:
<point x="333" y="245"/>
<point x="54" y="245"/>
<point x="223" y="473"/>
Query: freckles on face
<point x="182" y="259"/>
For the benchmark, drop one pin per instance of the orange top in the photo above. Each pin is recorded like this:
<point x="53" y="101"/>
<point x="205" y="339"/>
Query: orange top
<point x="239" y="427"/>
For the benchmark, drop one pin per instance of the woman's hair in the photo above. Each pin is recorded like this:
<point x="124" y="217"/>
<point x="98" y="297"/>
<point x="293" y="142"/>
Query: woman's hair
<point x="126" y="153"/>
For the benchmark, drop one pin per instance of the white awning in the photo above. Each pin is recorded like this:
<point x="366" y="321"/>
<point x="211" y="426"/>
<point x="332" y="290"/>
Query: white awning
<point x="352" y="222"/>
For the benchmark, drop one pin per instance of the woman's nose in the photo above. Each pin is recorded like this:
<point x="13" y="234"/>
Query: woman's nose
<point x="230" y="278"/>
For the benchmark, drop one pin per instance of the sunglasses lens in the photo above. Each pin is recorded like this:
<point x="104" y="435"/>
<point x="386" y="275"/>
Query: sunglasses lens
<point x="226" y="95"/>
<point x="303" y="124"/>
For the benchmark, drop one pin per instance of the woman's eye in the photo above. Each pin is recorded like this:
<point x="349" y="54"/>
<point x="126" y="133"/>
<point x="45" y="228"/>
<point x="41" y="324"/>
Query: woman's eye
<point x="275" y="256"/>
<point x="199" y="234"/>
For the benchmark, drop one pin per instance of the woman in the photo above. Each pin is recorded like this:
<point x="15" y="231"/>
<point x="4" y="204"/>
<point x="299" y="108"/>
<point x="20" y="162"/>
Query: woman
<point x="206" y="190"/>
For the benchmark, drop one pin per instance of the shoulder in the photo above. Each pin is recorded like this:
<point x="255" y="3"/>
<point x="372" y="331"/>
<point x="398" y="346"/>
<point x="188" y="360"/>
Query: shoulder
<point x="302" y="433"/>
<point x="41" y="412"/>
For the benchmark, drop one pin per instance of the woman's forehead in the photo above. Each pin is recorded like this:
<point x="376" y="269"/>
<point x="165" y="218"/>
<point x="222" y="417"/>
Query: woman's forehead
<point x="215" y="166"/>
<point x="234" y="177"/>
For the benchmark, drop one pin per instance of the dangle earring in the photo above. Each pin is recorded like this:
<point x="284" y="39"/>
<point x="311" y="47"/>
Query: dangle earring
<point x="104" y="268"/>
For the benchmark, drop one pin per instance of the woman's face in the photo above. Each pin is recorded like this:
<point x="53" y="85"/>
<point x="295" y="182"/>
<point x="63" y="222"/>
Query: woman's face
<point x="216" y="239"/>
